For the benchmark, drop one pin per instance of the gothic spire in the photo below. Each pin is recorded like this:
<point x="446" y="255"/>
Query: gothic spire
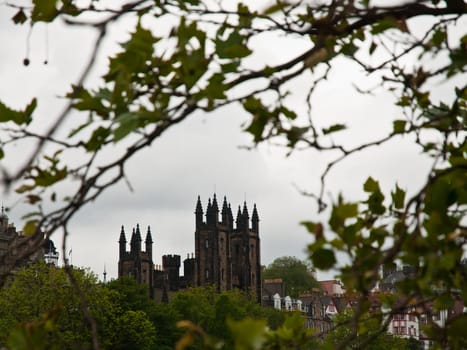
<point x="208" y="208"/>
<point x="148" y="236"/>
<point x="225" y="208"/>
<point x="122" y="236"/>
<point x="239" y="216"/>
<point x="245" y="211"/>
<point x="255" y="220"/>
<point x="255" y="216"/>
<point x="215" y="207"/>
<point x="138" y="234"/>
<point x="199" y="207"/>
<point x="199" y="213"/>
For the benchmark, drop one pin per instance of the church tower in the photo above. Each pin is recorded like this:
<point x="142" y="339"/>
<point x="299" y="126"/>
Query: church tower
<point x="227" y="255"/>
<point x="137" y="263"/>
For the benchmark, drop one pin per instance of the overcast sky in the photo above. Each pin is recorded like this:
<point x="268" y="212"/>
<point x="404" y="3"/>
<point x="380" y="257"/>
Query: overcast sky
<point x="203" y="155"/>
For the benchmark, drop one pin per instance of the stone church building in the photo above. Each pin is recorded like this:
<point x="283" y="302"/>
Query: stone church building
<point x="14" y="247"/>
<point x="227" y="254"/>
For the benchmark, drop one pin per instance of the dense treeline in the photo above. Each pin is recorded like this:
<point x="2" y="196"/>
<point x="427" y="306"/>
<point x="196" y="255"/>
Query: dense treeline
<point x="42" y="297"/>
<point x="40" y="309"/>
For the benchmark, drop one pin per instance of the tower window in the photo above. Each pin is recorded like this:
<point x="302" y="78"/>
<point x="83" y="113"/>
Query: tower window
<point x="207" y="274"/>
<point x="207" y="243"/>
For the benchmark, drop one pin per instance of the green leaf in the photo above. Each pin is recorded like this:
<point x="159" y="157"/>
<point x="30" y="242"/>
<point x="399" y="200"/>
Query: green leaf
<point x="25" y="188"/>
<point x="323" y="258"/>
<point x="398" y="197"/>
<point x="372" y="48"/>
<point x="398" y="126"/>
<point x="383" y="25"/>
<point x="44" y="10"/>
<point x="249" y="334"/>
<point x="20" y="17"/>
<point x="30" y="227"/>
<point x="444" y="302"/>
<point x="85" y="101"/>
<point x="128" y="122"/>
<point x="371" y="185"/>
<point x="233" y="47"/>
<point x="309" y="225"/>
<point x="261" y="117"/>
<point x="439" y="36"/>
<point x="98" y="138"/>
<point x="375" y="203"/>
<point x="33" y="198"/>
<point x="18" y="117"/>
<point x="275" y="7"/>
<point x="333" y="128"/>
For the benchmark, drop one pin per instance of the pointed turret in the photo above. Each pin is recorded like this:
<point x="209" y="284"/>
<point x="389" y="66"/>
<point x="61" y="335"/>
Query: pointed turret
<point x="231" y="220"/>
<point x="245" y="211"/>
<point x="148" y="242"/>
<point x="148" y="236"/>
<point x="138" y="234"/>
<point x="239" y="220"/>
<point x="215" y="207"/>
<point x="245" y="216"/>
<point x="208" y="208"/>
<point x="133" y="240"/>
<point x="136" y="240"/>
<point x="122" y="242"/>
<point x="225" y="212"/>
<point x="212" y="212"/>
<point x="255" y="220"/>
<point x="199" y="213"/>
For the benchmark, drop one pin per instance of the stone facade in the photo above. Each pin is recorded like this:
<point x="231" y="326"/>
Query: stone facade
<point x="227" y="254"/>
<point x="136" y="262"/>
<point x="14" y="247"/>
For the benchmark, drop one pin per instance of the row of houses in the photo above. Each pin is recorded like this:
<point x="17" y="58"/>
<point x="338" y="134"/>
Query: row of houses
<point x="321" y="305"/>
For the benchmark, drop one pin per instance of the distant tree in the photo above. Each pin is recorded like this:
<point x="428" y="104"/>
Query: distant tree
<point x="134" y="331"/>
<point x="212" y="311"/>
<point x="296" y="274"/>
<point x="164" y="318"/>
<point x="44" y="294"/>
<point x="131" y="294"/>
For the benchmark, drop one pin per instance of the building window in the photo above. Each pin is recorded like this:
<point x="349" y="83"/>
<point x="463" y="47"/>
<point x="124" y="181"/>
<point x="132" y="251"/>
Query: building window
<point x="222" y="274"/>
<point x="207" y="243"/>
<point x="207" y="274"/>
